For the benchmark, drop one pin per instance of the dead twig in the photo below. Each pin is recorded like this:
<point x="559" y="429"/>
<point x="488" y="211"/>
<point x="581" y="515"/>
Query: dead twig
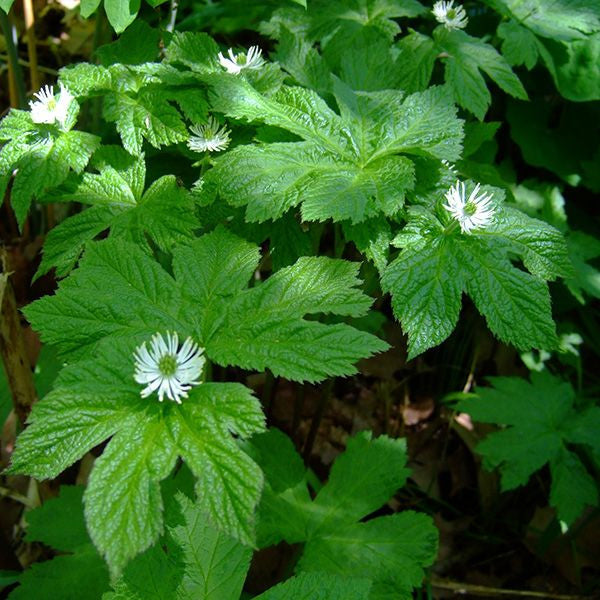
<point x="481" y="590"/>
<point x="12" y="350"/>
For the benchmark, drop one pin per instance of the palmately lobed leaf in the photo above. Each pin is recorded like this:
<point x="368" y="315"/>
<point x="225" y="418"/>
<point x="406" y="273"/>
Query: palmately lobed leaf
<point x="389" y="551"/>
<point x="540" y="420"/>
<point x="438" y="264"/>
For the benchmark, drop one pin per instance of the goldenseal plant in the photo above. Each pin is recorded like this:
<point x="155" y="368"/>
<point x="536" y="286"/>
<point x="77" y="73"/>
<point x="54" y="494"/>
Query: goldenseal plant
<point x="207" y="303"/>
<point x="277" y="202"/>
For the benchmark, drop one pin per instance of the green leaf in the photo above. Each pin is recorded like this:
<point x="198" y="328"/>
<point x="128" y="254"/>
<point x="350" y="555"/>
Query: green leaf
<point x="229" y="483"/>
<point x="61" y="431"/>
<point x="142" y="298"/>
<point x="416" y="60"/>
<point x="82" y="573"/>
<point x="539" y="417"/>
<point x="554" y="19"/>
<point x="123" y="504"/>
<point x="466" y="57"/>
<point x="426" y="294"/>
<point x="296" y="109"/>
<point x="88" y="7"/>
<point x="215" y="564"/>
<point x="264" y="327"/>
<point x="59" y="521"/>
<point x="390" y="551"/>
<point x="271" y="179"/>
<point x="97" y="398"/>
<point x="516" y="305"/>
<point x="298" y="57"/>
<point x="573" y="488"/>
<point x="436" y="266"/>
<point x="339" y="25"/>
<point x="519" y="45"/>
<point x="423" y="124"/>
<point x="253" y="328"/>
<point x="319" y="586"/>
<point x="6" y="4"/>
<point x="575" y="68"/>
<point x="212" y="268"/>
<point x="345" y="170"/>
<point x="121" y="13"/>
<point x="363" y="478"/>
<point x="542" y="247"/>
<point x="154" y="575"/>
<point x="147" y="116"/>
<point x="138" y="45"/>
<point x="198" y="51"/>
<point x="46" y="165"/>
<point x="194" y="560"/>
<point x="586" y="278"/>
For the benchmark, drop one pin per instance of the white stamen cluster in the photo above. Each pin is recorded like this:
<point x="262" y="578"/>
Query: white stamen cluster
<point x="474" y="212"/>
<point x="209" y="137"/>
<point x="51" y="109"/>
<point x="449" y="16"/>
<point x="168" y="369"/>
<point x="236" y="63"/>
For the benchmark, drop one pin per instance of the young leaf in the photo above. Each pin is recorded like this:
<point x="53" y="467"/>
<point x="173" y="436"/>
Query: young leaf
<point x="540" y="420"/>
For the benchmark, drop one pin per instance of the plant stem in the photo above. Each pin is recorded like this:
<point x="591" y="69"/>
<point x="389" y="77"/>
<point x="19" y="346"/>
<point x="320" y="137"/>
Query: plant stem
<point x="34" y="75"/>
<point x="172" y="15"/>
<point x="19" y="98"/>
<point x="14" y="355"/>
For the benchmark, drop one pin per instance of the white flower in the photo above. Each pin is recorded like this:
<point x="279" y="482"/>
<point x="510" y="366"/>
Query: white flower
<point x="209" y="137"/>
<point x="49" y="109"/>
<point x="452" y="18"/>
<point x="168" y="369"/>
<point x="236" y="63"/>
<point x="476" y="212"/>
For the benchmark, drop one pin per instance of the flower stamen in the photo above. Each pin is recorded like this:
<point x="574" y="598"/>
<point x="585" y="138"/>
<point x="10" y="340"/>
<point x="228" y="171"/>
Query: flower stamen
<point x="475" y="212"/>
<point x="168" y="369"/>
<point x="449" y="16"/>
<point x="236" y="63"/>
